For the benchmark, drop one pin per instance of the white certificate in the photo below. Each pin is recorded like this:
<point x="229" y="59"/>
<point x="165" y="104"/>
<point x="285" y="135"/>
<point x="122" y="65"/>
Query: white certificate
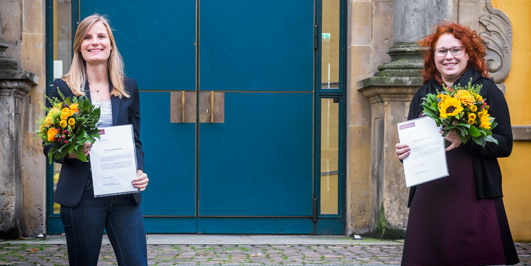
<point x="427" y="158"/>
<point x="113" y="161"/>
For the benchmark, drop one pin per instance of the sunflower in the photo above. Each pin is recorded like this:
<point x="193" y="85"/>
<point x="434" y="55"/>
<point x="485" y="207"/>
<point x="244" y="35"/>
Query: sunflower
<point x="483" y="113"/>
<point x="450" y="107"/>
<point x="473" y="108"/>
<point x="472" y="116"/>
<point x="484" y="122"/>
<point x="63" y="123"/>
<point x="71" y="121"/>
<point x="471" y="121"/>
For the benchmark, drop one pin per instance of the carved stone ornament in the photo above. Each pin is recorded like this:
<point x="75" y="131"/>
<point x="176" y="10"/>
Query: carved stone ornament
<point x="497" y="32"/>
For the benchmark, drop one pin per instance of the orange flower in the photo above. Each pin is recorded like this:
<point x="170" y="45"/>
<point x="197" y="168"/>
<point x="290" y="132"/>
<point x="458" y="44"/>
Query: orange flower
<point x="465" y="97"/>
<point x="74" y="107"/>
<point x="51" y="133"/>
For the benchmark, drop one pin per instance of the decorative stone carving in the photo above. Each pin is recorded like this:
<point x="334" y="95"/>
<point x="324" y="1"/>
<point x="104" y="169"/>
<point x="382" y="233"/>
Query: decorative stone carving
<point x="497" y="32"/>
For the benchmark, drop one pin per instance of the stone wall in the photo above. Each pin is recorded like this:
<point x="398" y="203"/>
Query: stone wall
<point x="23" y="28"/>
<point x="377" y="177"/>
<point x="369" y="36"/>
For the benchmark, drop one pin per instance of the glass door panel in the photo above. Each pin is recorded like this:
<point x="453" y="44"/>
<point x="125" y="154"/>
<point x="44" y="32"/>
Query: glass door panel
<point x="330" y="44"/>
<point x="329" y="197"/>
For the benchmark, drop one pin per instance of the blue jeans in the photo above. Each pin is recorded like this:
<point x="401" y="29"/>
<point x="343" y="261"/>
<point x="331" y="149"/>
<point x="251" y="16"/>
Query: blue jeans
<point x="119" y="215"/>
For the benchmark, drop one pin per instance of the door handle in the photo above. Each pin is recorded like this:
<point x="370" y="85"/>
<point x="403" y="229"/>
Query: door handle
<point x="183" y="101"/>
<point x="183" y="106"/>
<point x="212" y="106"/>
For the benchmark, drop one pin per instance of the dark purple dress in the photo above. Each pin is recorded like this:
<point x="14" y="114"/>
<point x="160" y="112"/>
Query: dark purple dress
<point x="448" y="225"/>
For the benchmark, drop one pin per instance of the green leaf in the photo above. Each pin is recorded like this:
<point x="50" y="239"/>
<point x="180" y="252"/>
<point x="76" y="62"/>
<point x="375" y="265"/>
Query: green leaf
<point x="95" y="135"/>
<point x="462" y="131"/>
<point x="430" y="113"/>
<point x="96" y="114"/>
<point x="60" y="154"/>
<point x="80" y="155"/>
<point x="474" y="132"/>
<point x="464" y="138"/>
<point x="71" y="148"/>
<point x="50" y="155"/>
<point x="86" y="105"/>
<point x="491" y="139"/>
<point x="493" y="125"/>
<point x="479" y="141"/>
<point x="464" y="125"/>
<point x="60" y="94"/>
<point x="82" y="134"/>
<point x="68" y="101"/>
<point x="482" y="132"/>
<point x="61" y="148"/>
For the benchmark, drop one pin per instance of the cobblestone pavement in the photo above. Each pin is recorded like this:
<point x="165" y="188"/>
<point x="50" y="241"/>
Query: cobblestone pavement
<point x="45" y="254"/>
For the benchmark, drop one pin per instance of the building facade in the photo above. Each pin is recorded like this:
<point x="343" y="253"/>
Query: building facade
<point x="257" y="117"/>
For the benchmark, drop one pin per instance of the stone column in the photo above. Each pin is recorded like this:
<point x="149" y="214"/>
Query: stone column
<point x="389" y="91"/>
<point x="14" y="85"/>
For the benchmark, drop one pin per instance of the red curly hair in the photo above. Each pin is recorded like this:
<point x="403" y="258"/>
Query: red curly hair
<point x="471" y="42"/>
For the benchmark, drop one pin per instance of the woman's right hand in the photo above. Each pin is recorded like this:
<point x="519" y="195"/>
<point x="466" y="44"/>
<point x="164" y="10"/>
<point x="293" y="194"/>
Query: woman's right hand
<point x="402" y="150"/>
<point x="86" y="150"/>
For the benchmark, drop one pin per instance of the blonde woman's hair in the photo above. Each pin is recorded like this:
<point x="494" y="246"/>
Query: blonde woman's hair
<point x="77" y="75"/>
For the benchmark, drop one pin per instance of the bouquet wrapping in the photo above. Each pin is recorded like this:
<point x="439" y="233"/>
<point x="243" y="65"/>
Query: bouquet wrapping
<point x="462" y="109"/>
<point x="68" y="124"/>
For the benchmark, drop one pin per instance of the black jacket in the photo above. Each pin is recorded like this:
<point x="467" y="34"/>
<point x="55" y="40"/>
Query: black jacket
<point x="484" y="160"/>
<point x="74" y="173"/>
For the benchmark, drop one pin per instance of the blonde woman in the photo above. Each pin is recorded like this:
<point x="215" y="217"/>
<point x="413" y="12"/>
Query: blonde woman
<point x="97" y="73"/>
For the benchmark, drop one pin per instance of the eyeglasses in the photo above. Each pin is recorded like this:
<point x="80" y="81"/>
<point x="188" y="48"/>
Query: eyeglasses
<point x="442" y="52"/>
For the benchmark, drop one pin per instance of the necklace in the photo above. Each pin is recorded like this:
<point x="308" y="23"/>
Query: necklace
<point x="98" y="90"/>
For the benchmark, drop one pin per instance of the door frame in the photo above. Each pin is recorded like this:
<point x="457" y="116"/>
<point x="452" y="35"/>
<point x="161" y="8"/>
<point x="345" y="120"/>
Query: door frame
<point x="326" y="223"/>
<point x="322" y="223"/>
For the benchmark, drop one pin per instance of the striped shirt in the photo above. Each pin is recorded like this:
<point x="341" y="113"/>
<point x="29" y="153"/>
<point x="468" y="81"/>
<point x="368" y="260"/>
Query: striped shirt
<point x="106" y="112"/>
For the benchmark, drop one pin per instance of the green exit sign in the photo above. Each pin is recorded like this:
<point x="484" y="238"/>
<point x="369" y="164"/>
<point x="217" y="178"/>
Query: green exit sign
<point x="325" y="36"/>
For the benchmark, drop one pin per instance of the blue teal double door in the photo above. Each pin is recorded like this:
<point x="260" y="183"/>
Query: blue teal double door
<point x="248" y="167"/>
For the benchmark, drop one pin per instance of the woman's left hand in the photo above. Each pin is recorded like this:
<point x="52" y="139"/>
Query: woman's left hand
<point x="141" y="181"/>
<point x="454" y="139"/>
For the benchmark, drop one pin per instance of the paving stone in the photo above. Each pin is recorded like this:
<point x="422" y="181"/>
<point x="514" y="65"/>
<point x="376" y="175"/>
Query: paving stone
<point x="233" y="255"/>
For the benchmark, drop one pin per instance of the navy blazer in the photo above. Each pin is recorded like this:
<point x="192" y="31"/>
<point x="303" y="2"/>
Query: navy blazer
<point x="74" y="173"/>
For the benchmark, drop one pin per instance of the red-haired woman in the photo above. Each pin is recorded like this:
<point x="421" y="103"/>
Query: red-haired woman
<point x="460" y="219"/>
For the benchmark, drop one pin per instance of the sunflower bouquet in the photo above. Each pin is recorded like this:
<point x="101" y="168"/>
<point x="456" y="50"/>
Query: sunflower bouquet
<point x="68" y="124"/>
<point x="462" y="109"/>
